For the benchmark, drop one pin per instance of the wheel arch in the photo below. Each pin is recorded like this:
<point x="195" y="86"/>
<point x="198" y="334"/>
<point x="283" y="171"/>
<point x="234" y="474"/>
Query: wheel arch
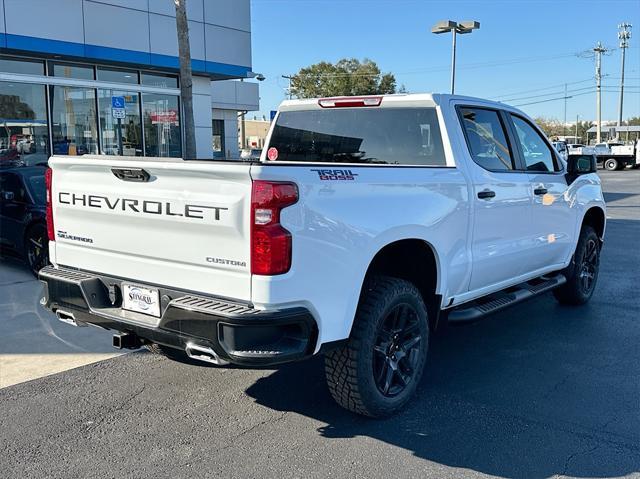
<point x="596" y="218"/>
<point x="414" y="260"/>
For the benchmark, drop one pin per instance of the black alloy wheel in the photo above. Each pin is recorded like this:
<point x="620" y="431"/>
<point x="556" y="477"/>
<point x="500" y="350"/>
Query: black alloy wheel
<point x="36" y="248"/>
<point x="397" y="350"/>
<point x="589" y="266"/>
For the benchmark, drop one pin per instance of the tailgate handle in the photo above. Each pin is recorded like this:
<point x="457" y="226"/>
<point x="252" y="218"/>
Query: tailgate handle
<point x="131" y="174"/>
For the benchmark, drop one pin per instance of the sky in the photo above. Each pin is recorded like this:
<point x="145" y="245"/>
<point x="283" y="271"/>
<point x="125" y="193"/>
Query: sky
<point x="523" y="54"/>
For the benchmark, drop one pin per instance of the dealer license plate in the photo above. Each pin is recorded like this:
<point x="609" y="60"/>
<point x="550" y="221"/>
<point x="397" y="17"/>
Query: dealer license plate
<point x="141" y="300"/>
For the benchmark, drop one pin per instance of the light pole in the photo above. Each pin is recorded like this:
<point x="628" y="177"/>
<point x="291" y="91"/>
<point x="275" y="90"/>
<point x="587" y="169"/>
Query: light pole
<point x="446" y="26"/>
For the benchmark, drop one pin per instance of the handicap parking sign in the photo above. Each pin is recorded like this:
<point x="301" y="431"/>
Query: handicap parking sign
<point x="117" y="102"/>
<point x="117" y="107"/>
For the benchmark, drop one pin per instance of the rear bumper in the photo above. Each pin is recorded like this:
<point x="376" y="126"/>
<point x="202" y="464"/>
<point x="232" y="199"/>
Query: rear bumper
<point x="237" y="333"/>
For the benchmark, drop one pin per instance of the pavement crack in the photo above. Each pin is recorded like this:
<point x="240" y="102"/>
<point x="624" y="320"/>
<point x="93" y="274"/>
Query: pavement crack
<point x="573" y="455"/>
<point x="118" y="407"/>
<point x="262" y="423"/>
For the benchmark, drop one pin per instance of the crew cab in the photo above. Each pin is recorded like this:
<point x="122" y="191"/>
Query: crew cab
<point x="367" y="222"/>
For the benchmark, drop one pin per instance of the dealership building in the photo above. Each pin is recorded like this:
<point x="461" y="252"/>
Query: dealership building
<point x="101" y="77"/>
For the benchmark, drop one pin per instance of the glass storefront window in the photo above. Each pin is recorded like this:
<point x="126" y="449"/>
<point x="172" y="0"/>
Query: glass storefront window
<point x="73" y="120"/>
<point x="117" y="76"/>
<point x="68" y="70"/>
<point x="24" y="137"/>
<point x="161" y="125"/>
<point x="159" y="80"/>
<point x="218" y="138"/>
<point x="120" y="137"/>
<point x="26" y="67"/>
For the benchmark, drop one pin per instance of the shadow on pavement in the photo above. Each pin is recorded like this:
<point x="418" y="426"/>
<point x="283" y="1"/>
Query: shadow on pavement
<point x="532" y="392"/>
<point x="612" y="197"/>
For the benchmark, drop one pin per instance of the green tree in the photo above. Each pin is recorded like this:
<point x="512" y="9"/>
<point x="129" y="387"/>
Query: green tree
<point x="348" y="76"/>
<point x="633" y="121"/>
<point x="551" y="127"/>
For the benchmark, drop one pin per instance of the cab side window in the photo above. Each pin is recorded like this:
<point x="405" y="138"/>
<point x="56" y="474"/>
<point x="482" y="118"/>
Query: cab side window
<point x="535" y="150"/>
<point x="486" y="138"/>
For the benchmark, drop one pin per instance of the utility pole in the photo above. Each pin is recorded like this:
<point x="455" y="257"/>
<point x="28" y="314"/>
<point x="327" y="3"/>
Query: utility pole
<point x="624" y="34"/>
<point x="288" y="77"/>
<point x="564" y="125"/>
<point x="599" y="50"/>
<point x="577" y="116"/>
<point x="186" y="79"/>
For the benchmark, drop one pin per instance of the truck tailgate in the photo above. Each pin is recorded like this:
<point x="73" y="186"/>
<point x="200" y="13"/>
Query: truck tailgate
<point x="186" y="227"/>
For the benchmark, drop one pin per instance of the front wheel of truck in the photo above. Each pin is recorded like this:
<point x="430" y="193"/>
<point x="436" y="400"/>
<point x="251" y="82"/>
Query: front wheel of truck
<point x="377" y="372"/>
<point x="582" y="272"/>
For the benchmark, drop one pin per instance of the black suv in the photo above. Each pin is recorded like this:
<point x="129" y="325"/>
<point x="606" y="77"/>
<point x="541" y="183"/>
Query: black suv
<point x="23" y="228"/>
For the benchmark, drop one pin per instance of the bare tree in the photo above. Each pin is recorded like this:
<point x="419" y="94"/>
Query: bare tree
<point x="186" y="78"/>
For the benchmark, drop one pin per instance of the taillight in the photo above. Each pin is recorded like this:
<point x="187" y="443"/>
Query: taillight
<point x="48" y="179"/>
<point x="350" y="101"/>
<point x="270" y="242"/>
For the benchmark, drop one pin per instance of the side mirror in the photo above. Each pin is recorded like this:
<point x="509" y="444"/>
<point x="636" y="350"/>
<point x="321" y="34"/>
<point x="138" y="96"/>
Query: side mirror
<point x="580" y="165"/>
<point x="8" y="195"/>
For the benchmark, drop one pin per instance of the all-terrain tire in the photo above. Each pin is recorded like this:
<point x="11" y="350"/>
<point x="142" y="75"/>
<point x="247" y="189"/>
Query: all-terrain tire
<point x="350" y="369"/>
<point x="582" y="272"/>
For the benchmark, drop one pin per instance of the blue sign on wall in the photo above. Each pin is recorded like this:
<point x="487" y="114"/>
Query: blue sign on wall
<point x="273" y="114"/>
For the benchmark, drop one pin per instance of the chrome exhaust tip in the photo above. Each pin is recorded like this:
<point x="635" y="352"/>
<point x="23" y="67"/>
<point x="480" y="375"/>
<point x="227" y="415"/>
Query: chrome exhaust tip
<point x="69" y="318"/>
<point x="204" y="353"/>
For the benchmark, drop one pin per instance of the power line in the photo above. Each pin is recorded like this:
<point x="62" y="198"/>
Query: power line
<point x="545" y="94"/>
<point x="467" y="66"/>
<point x="554" y="99"/>
<point x="545" y="88"/>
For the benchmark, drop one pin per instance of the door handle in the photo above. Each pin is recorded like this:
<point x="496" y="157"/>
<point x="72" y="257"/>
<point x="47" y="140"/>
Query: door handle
<point x="540" y="191"/>
<point x="486" y="194"/>
<point x="131" y="174"/>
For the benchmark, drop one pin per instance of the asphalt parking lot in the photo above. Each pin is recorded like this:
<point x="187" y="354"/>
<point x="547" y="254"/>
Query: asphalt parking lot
<point x="537" y="391"/>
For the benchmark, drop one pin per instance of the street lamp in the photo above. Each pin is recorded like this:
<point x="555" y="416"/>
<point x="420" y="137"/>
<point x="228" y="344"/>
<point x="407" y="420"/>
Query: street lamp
<point x="446" y="26"/>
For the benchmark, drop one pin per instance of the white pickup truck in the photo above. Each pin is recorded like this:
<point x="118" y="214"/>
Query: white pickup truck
<point x="617" y="156"/>
<point x="366" y="222"/>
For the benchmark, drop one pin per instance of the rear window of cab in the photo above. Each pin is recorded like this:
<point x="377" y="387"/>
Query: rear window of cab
<point x="393" y="136"/>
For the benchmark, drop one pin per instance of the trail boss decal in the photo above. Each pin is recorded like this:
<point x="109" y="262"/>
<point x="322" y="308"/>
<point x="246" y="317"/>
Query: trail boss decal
<point x="141" y="206"/>
<point x="336" y="175"/>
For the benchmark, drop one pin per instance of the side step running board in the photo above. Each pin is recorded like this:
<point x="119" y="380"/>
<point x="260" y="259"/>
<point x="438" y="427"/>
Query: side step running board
<point x="495" y="302"/>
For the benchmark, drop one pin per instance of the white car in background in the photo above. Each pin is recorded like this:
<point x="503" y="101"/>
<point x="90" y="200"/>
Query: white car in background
<point x="561" y="148"/>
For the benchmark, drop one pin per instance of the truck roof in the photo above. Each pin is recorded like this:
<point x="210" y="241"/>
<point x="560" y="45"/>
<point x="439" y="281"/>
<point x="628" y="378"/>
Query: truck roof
<point x="395" y="100"/>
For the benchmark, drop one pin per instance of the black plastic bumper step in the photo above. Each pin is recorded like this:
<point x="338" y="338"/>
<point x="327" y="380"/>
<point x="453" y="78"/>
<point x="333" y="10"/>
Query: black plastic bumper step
<point x="495" y="302"/>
